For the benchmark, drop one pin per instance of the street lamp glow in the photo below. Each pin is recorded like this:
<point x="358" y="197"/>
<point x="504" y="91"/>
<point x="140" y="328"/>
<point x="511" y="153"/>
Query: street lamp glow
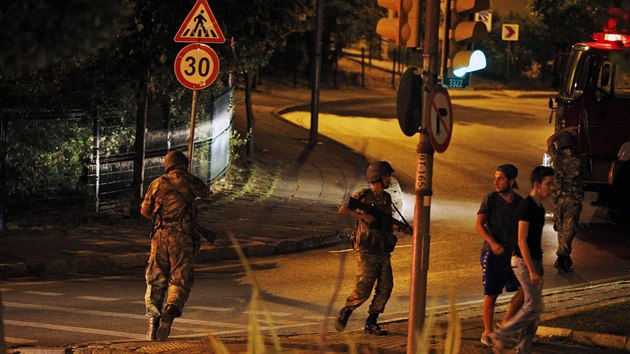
<point x="477" y="62"/>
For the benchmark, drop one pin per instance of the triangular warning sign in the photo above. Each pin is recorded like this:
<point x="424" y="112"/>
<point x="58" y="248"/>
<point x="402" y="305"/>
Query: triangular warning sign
<point x="200" y="26"/>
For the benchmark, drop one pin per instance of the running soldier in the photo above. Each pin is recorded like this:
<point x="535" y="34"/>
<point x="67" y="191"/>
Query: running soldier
<point x="568" y="194"/>
<point x="170" y="272"/>
<point x="373" y="240"/>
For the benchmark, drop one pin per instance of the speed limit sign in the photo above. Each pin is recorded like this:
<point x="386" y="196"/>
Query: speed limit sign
<point x="196" y="66"/>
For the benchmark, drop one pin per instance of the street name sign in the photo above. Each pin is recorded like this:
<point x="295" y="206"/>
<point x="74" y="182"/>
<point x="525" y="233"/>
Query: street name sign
<point x="509" y="32"/>
<point x="200" y="26"/>
<point x="440" y="118"/>
<point x="196" y="66"/>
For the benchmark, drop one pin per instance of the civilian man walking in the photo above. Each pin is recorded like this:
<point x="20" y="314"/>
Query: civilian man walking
<point x="527" y="265"/>
<point x="496" y="224"/>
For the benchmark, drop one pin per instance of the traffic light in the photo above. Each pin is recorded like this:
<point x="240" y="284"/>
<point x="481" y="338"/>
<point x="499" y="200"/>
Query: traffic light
<point x="404" y="29"/>
<point x="463" y="31"/>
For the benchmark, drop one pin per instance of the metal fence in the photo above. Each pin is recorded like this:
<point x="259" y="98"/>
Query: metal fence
<point x="51" y="159"/>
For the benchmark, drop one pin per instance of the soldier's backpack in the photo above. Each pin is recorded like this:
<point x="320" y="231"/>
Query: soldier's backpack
<point x="170" y="209"/>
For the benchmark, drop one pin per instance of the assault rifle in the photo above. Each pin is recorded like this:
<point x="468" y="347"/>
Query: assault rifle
<point x="201" y="231"/>
<point x="382" y="221"/>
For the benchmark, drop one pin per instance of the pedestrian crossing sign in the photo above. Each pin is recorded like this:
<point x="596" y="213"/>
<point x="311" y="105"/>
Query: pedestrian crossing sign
<point x="200" y="26"/>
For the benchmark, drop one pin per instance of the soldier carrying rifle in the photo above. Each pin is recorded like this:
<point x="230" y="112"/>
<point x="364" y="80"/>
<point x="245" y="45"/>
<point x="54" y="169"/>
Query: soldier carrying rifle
<point x="175" y="239"/>
<point x="373" y="240"/>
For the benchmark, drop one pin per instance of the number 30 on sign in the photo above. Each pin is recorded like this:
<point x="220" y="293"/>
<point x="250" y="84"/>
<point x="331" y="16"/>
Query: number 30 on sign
<point x="196" y="66"/>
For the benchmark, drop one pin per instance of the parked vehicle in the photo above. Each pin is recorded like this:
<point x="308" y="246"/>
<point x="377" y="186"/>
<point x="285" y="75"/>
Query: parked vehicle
<point x="593" y="84"/>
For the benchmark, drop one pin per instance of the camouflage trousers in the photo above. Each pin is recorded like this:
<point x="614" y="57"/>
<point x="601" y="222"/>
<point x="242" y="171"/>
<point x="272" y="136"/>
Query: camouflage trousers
<point x="373" y="268"/>
<point x="566" y="216"/>
<point x="170" y="271"/>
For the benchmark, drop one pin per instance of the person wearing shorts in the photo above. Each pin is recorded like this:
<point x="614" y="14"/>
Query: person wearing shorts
<point x="496" y="224"/>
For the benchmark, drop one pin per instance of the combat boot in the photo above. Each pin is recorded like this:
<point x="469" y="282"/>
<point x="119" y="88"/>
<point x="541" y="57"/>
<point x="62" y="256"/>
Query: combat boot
<point x="372" y="327"/>
<point x="563" y="263"/>
<point x="154" y="323"/>
<point x="569" y="263"/>
<point x="342" y="319"/>
<point x="165" y="323"/>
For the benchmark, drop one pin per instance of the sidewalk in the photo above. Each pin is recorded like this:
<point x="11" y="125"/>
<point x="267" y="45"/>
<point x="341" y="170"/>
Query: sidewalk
<point x="287" y="203"/>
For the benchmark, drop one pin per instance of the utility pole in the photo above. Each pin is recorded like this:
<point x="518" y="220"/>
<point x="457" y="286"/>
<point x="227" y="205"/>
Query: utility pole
<point x="423" y="188"/>
<point x="317" y="69"/>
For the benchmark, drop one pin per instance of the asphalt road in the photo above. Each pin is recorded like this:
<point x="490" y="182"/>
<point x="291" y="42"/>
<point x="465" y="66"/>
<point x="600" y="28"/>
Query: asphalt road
<point x="488" y="132"/>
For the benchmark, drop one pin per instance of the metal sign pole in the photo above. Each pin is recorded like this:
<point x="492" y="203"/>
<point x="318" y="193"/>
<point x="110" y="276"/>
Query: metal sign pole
<point x="191" y="142"/>
<point x="423" y="191"/>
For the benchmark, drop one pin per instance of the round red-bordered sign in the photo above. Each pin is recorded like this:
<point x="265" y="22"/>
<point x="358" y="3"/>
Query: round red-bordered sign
<point x="196" y="66"/>
<point x="440" y="118"/>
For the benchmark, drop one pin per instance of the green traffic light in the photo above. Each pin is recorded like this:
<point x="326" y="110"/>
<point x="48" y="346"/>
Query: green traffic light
<point x="476" y="61"/>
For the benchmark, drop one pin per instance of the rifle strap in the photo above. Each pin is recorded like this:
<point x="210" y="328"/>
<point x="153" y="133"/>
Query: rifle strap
<point x="399" y="214"/>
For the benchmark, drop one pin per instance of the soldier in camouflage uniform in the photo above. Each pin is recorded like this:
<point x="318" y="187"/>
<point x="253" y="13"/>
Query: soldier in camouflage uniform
<point x="568" y="194"/>
<point x="169" y="274"/>
<point x="373" y="245"/>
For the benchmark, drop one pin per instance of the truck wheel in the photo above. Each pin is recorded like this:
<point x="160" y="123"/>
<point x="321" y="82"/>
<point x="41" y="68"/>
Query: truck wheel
<point x="621" y="195"/>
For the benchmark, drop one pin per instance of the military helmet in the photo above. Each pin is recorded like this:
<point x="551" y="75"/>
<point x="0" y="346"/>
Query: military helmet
<point x="387" y="166"/>
<point x="376" y="171"/>
<point x="565" y="140"/>
<point x="174" y="158"/>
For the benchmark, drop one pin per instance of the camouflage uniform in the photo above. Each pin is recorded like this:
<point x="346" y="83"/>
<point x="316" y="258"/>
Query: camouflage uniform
<point x="567" y="197"/>
<point x="173" y="246"/>
<point x="372" y="253"/>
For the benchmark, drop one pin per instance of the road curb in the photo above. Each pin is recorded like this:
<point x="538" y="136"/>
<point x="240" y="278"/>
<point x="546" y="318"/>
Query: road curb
<point x="603" y="340"/>
<point x="98" y="263"/>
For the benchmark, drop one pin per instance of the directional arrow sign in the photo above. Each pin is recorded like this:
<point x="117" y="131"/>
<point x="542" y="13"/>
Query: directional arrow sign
<point x="509" y="32"/>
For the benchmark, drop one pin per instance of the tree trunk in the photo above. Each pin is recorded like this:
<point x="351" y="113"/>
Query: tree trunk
<point x="140" y="146"/>
<point x="249" y="79"/>
<point x="3" y="347"/>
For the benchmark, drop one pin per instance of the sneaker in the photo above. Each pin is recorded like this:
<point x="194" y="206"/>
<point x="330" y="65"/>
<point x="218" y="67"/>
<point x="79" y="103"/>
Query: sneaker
<point x="485" y="340"/>
<point x="496" y="345"/>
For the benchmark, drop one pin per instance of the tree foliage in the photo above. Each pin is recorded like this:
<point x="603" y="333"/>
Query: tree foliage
<point x="37" y="33"/>
<point x="550" y="27"/>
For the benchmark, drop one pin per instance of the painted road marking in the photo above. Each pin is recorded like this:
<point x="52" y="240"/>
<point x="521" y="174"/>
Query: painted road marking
<point x="97" y="298"/>
<point x="74" y="329"/>
<point x="117" y="314"/>
<point x="14" y="340"/>
<point x="350" y="249"/>
<point x="262" y="313"/>
<point x="43" y="293"/>
<point x="210" y="308"/>
<point x="78" y="280"/>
